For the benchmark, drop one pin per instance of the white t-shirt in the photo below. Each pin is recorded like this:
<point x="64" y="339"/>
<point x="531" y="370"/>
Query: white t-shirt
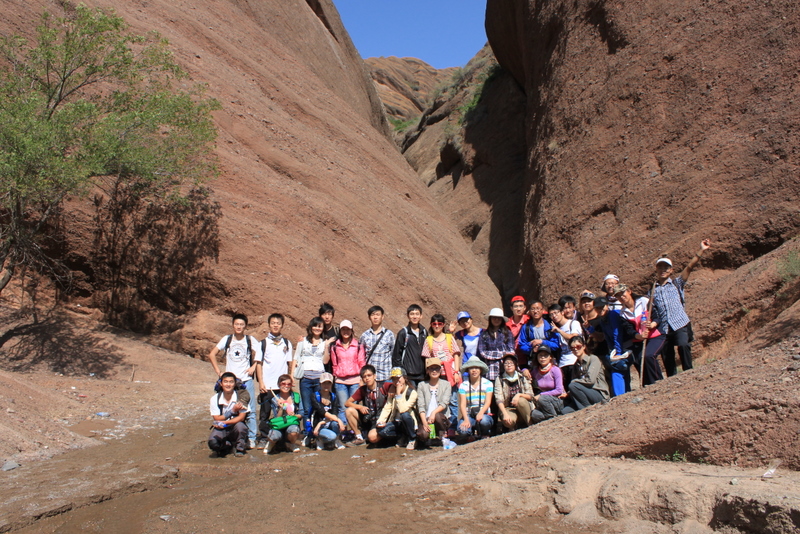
<point x="567" y="358"/>
<point x="218" y="399"/>
<point x="237" y="360"/>
<point x="275" y="361"/>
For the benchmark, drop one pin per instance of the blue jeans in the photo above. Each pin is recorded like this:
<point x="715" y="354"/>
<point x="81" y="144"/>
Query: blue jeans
<point x="308" y="386"/>
<point x="454" y="408"/>
<point x="250" y="420"/>
<point x="484" y="428"/>
<point x="402" y="426"/>
<point x="329" y="432"/>
<point x="344" y="392"/>
<point x="277" y="435"/>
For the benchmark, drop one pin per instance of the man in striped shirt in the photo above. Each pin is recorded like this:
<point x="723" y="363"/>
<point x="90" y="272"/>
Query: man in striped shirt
<point x="669" y="315"/>
<point x="378" y="342"/>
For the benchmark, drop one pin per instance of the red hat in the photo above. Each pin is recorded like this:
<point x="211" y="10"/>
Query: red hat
<point x="517" y="299"/>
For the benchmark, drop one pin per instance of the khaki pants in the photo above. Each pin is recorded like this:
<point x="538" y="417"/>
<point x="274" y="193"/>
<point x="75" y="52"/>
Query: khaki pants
<point x="520" y="416"/>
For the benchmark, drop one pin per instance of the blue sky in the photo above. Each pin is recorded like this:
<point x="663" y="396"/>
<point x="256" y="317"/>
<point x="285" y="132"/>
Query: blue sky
<point x="444" y="33"/>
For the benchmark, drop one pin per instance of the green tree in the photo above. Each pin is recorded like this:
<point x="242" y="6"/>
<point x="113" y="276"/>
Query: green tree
<point x="89" y="106"/>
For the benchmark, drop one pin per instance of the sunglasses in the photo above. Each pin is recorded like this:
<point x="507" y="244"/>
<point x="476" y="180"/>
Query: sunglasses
<point x="437" y="323"/>
<point x="576" y="346"/>
<point x="286" y="384"/>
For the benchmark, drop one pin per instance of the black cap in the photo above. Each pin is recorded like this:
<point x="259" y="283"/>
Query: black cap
<point x="600" y="302"/>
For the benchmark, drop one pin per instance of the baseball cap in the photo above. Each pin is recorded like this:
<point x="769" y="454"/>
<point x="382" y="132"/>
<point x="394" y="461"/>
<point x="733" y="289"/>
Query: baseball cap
<point x="600" y="302"/>
<point x="432" y="361"/>
<point x="664" y="260"/>
<point x="518" y="298"/>
<point x="326" y="377"/>
<point x="397" y="372"/>
<point x="463" y="315"/>
<point x="346" y="324"/>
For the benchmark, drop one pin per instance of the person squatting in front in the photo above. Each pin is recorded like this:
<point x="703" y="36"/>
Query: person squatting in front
<point x="229" y="407"/>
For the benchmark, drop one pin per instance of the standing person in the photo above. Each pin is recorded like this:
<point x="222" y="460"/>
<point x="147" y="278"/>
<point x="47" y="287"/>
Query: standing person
<point x="468" y="334"/>
<point x="518" y="316"/>
<point x="607" y="290"/>
<point x="536" y="332"/>
<point x="378" y="343"/>
<point x="514" y="395"/>
<point x="475" y="400"/>
<point x="311" y="356"/>
<point x="550" y="384"/>
<point x="588" y="318"/>
<point x="634" y="310"/>
<point x="284" y="425"/>
<point x="613" y="328"/>
<point x="327" y="424"/>
<point x="566" y="329"/>
<point x="589" y="384"/>
<point x="433" y="396"/>
<point x="569" y="307"/>
<point x="228" y="413"/>
<point x="241" y="358"/>
<point x="408" y="346"/>
<point x="276" y="360"/>
<point x="495" y="343"/>
<point x="443" y="346"/>
<point x="326" y="313"/>
<point x="669" y="315"/>
<point x="347" y="359"/>
<point x="364" y="406"/>
<point x="398" y="418"/>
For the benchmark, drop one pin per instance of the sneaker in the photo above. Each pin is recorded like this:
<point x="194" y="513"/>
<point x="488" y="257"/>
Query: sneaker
<point x="251" y="444"/>
<point x="307" y="441"/>
<point x="358" y="441"/>
<point x="320" y="446"/>
<point x="238" y="454"/>
<point x="411" y="445"/>
<point x="260" y="444"/>
<point x="339" y="444"/>
<point x="293" y="447"/>
<point x="269" y="447"/>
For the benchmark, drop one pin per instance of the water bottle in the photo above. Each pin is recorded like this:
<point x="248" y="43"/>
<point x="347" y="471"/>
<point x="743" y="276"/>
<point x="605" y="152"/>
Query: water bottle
<point x="432" y="434"/>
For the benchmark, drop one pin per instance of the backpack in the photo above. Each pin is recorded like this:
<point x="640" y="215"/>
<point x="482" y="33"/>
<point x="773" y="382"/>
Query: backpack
<point x="249" y="346"/>
<point x="264" y="345"/>
<point x="407" y="330"/>
<point x="285" y="421"/>
<point x="447" y="337"/>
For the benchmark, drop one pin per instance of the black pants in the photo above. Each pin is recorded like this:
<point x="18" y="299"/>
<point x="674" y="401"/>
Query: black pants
<point x="652" y="370"/>
<point x="682" y="338"/>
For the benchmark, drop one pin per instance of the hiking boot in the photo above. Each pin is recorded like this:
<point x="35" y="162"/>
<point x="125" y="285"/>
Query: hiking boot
<point x="293" y="447"/>
<point x="339" y="445"/>
<point x="269" y="447"/>
<point x="358" y="441"/>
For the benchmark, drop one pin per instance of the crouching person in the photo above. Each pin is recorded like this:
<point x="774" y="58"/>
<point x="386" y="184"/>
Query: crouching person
<point x="365" y="405"/>
<point x="325" y="415"/>
<point x="433" y="397"/>
<point x="229" y="408"/>
<point x="398" y="417"/>
<point x="284" y="425"/>
<point x="513" y="394"/>
<point x="475" y="400"/>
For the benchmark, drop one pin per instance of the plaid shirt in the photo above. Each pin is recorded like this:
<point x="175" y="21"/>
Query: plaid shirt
<point x="381" y="357"/>
<point x="668" y="309"/>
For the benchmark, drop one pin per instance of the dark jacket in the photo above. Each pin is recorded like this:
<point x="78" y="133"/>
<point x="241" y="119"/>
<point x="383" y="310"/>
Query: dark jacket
<point x="408" y="352"/>
<point x="319" y="409"/>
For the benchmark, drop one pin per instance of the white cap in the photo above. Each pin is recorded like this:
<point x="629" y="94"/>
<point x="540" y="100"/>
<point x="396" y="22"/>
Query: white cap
<point x="611" y="277"/>
<point x="664" y="260"/>
<point x="496" y="312"/>
<point x="346" y="324"/>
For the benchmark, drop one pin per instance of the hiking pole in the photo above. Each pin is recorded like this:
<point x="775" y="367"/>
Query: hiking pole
<point x="644" y="342"/>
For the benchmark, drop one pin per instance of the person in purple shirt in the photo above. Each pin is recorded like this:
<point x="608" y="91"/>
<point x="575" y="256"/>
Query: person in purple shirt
<point x="550" y="383"/>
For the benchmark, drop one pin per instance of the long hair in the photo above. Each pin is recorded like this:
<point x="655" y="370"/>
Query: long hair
<point x="316" y="321"/>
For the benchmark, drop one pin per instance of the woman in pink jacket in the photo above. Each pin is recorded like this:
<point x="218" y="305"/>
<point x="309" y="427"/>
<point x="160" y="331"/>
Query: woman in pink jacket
<point x="347" y="358"/>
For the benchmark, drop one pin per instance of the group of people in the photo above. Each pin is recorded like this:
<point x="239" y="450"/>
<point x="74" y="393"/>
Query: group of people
<point x="423" y="386"/>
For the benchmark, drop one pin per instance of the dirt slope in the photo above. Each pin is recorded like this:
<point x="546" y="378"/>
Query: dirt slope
<point x="405" y="84"/>
<point x="650" y="126"/>
<point x="317" y="203"/>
